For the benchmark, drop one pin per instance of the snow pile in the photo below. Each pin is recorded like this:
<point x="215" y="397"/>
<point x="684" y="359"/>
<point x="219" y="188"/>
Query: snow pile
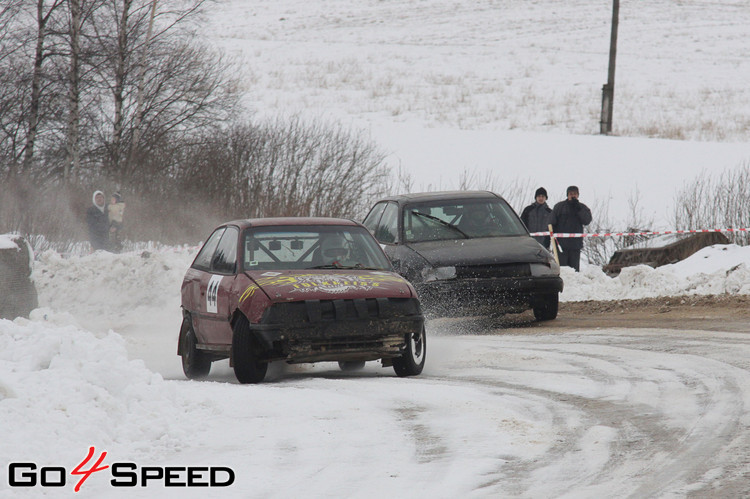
<point x="83" y="390"/>
<point x="7" y="242"/>
<point x="106" y="290"/>
<point x="717" y="269"/>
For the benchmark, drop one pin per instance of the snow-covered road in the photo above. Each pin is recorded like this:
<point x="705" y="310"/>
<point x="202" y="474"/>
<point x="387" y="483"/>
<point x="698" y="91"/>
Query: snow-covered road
<point x="526" y="412"/>
<point x="612" y="413"/>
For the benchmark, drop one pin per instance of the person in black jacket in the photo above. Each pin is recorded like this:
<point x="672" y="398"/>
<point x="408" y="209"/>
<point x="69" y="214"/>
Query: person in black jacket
<point x="98" y="222"/>
<point x="570" y="216"/>
<point x="536" y="216"/>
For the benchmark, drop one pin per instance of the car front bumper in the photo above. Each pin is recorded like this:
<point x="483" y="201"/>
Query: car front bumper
<point x="338" y="330"/>
<point x="470" y="296"/>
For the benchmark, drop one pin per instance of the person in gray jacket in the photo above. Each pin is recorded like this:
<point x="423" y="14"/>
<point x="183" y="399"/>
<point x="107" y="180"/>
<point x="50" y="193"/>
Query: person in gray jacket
<point x="570" y="216"/>
<point x="536" y="216"/>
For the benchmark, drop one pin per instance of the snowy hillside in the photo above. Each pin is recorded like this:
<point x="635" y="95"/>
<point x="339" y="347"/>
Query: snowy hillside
<point x="496" y="89"/>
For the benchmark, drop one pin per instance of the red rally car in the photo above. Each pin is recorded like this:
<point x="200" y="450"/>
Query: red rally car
<point x="297" y="290"/>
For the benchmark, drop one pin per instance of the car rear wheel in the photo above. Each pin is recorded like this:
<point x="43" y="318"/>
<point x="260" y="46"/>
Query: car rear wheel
<point x="412" y="362"/>
<point x="195" y="364"/>
<point x="351" y="365"/>
<point x="245" y="354"/>
<point x="545" y="309"/>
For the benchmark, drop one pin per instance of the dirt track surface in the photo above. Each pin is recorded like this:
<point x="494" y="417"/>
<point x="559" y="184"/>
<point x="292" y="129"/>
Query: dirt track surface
<point x="705" y="313"/>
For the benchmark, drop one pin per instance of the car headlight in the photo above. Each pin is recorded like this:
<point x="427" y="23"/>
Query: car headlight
<point x="548" y="269"/>
<point x="438" y="273"/>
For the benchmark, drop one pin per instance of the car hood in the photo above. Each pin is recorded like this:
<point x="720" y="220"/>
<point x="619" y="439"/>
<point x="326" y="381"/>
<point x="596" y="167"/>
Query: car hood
<point x="481" y="251"/>
<point x="295" y="285"/>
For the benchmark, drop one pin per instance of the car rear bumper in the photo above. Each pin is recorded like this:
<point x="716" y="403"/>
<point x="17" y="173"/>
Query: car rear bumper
<point x="485" y="295"/>
<point x="338" y="330"/>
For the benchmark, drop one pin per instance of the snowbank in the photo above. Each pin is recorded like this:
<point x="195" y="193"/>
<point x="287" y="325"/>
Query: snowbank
<point x="713" y="270"/>
<point x="64" y="390"/>
<point x="105" y="290"/>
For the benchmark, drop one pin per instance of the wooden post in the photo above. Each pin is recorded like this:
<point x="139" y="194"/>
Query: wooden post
<point x="553" y="243"/>
<point x="608" y="90"/>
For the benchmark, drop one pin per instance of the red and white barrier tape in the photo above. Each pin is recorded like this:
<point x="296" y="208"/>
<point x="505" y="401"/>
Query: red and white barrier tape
<point x="652" y="233"/>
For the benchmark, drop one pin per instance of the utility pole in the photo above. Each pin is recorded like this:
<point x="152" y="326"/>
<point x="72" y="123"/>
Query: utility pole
<point x="608" y="90"/>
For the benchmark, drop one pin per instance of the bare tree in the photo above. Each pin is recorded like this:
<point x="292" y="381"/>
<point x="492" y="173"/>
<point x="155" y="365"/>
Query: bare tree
<point x="159" y="82"/>
<point x="43" y="16"/>
<point x="9" y="11"/>
<point x="74" y="118"/>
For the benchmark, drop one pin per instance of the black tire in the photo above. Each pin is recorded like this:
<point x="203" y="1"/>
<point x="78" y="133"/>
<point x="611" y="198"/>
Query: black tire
<point x="245" y="354"/>
<point x="351" y="365"/>
<point x="545" y="309"/>
<point x="195" y="363"/>
<point x="412" y="362"/>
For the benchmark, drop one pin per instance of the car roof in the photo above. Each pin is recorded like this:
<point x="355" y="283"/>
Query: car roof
<point x="290" y="221"/>
<point x="440" y="195"/>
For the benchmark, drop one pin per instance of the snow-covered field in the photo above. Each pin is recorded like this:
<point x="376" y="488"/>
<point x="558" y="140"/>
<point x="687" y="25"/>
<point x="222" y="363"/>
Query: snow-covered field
<point x="497" y="88"/>
<point x="443" y="86"/>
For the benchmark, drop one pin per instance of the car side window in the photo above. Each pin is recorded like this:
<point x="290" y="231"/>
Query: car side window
<point x="225" y="257"/>
<point x="387" y="229"/>
<point x="372" y="218"/>
<point x="203" y="260"/>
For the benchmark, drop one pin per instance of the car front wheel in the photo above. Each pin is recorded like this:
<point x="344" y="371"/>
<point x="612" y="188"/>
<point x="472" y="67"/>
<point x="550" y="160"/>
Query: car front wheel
<point x="245" y="354"/>
<point x="545" y="309"/>
<point x="412" y="362"/>
<point x="195" y="364"/>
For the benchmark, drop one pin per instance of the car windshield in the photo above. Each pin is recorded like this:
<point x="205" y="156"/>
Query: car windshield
<point x="311" y="247"/>
<point x="460" y="219"/>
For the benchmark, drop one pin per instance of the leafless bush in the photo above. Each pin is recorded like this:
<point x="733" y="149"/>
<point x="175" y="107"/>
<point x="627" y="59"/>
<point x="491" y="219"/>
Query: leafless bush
<point x="599" y="250"/>
<point x="518" y="192"/>
<point x="54" y="210"/>
<point x="287" y="168"/>
<point x="712" y="201"/>
<point x="400" y="182"/>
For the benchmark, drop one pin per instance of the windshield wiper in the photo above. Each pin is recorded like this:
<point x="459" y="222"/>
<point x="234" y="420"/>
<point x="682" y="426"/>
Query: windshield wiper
<point x="358" y="266"/>
<point x="442" y="222"/>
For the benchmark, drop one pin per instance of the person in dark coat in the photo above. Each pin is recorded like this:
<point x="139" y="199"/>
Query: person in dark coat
<point x="98" y="222"/>
<point x="536" y="216"/>
<point x="570" y="216"/>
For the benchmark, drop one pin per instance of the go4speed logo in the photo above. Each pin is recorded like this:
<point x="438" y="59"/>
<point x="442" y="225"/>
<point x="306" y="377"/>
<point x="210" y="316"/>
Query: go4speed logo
<point x="121" y="474"/>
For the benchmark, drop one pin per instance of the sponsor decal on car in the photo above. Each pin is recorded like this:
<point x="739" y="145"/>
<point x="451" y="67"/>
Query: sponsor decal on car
<point x="339" y="283"/>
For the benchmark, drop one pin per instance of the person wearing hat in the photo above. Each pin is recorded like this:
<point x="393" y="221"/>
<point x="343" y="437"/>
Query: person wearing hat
<point x="536" y="216"/>
<point x="115" y="211"/>
<point x="97" y="222"/>
<point x="570" y="216"/>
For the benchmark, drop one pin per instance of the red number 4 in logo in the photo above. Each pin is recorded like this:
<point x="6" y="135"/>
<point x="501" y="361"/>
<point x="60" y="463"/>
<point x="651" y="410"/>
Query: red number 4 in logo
<point x="87" y="473"/>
